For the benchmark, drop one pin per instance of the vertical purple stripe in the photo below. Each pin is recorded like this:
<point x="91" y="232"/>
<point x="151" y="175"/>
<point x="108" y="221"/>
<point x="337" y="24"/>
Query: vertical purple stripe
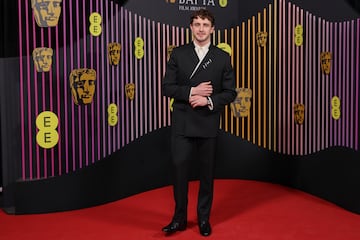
<point x="58" y="100"/>
<point x="86" y="107"/>
<point x="43" y="108"/>
<point x="72" y="105"/>
<point x="318" y="96"/>
<point x="141" y="108"/>
<point x="357" y="86"/>
<point x="28" y="90"/>
<point x="293" y="78"/>
<point x="349" y="120"/>
<point x="136" y="81"/>
<point x="336" y="57"/>
<point x="98" y="90"/>
<point x="113" y="89"/>
<point x="127" y="126"/>
<point x="331" y="134"/>
<point x="147" y="73"/>
<point x="117" y="39"/>
<point x="339" y="84"/>
<point x="158" y="107"/>
<point x="289" y="114"/>
<point x="131" y="59"/>
<point x="65" y="91"/>
<point x="351" y="103"/>
<point x="103" y="79"/>
<point x="279" y="127"/>
<point x="105" y="63"/>
<point x="343" y="109"/>
<point x="97" y="96"/>
<point x="327" y="98"/>
<point x="301" y="142"/>
<point x="36" y="97"/>
<point x="79" y="65"/>
<point x="123" y="60"/>
<point x="153" y="89"/>
<point x="306" y="84"/>
<point x="323" y="89"/>
<point x="313" y="98"/>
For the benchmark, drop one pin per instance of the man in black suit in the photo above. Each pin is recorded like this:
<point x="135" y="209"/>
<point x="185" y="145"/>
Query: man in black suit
<point x="200" y="78"/>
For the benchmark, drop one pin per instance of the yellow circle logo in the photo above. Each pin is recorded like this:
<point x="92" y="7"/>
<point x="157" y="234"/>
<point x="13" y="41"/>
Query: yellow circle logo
<point x="225" y="47"/>
<point x="47" y="136"/>
<point x="223" y="3"/>
<point x="95" y="18"/>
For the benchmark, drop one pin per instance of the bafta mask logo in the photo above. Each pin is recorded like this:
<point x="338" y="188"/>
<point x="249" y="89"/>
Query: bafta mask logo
<point x="261" y="38"/>
<point x="82" y="84"/>
<point x="130" y="90"/>
<point x="242" y="103"/>
<point x="114" y="53"/>
<point x="325" y="58"/>
<point x="170" y="48"/>
<point x="46" y="12"/>
<point x="299" y="113"/>
<point x="42" y="58"/>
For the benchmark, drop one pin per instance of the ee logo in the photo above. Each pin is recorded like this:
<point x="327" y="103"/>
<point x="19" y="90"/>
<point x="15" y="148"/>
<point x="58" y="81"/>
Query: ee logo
<point x="112" y="117"/>
<point x="95" y="24"/>
<point x="139" y="48"/>
<point x="335" y="108"/>
<point x="298" y="38"/>
<point x="223" y="3"/>
<point x="47" y="136"/>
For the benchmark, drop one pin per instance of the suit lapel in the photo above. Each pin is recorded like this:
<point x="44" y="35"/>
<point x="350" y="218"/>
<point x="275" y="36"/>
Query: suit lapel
<point x="205" y="63"/>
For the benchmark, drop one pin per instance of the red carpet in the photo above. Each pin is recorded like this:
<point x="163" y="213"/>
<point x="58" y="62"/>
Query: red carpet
<point x="242" y="210"/>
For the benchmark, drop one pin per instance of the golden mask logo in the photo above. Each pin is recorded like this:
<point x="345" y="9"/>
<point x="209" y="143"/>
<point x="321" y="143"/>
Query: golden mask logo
<point x="42" y="59"/>
<point x="242" y="103"/>
<point x="82" y="85"/>
<point x="46" y="12"/>
<point x="325" y="61"/>
<point x="114" y="53"/>
<point x="261" y="39"/>
<point x="130" y="90"/>
<point x="299" y="113"/>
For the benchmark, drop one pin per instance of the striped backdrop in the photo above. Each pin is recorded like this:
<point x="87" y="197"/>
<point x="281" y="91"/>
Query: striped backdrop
<point x="280" y="75"/>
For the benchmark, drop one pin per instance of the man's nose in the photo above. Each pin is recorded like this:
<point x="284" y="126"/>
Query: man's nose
<point x="51" y="9"/>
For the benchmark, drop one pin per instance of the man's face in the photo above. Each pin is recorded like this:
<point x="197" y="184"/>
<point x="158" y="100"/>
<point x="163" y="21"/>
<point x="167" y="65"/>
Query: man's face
<point x="201" y="30"/>
<point x="83" y="86"/>
<point x="46" y="12"/>
<point x="325" y="59"/>
<point x="242" y="103"/>
<point x="299" y="113"/>
<point x="130" y="90"/>
<point x="43" y="59"/>
<point x="114" y="53"/>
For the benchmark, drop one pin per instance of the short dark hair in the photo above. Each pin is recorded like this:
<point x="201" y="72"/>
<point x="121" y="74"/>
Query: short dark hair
<point x="203" y="14"/>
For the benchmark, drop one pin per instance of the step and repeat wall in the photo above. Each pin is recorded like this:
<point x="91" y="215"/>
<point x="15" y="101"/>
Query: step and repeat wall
<point x="88" y="77"/>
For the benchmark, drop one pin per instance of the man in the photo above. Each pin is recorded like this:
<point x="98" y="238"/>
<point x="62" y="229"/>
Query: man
<point x="46" y="12"/>
<point x="201" y="85"/>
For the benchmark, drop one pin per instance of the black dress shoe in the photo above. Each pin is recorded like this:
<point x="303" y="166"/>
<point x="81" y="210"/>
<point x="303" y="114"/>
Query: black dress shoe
<point x="205" y="228"/>
<point x="175" y="226"/>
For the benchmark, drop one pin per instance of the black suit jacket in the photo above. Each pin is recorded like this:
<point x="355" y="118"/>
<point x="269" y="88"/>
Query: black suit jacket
<point x="178" y="80"/>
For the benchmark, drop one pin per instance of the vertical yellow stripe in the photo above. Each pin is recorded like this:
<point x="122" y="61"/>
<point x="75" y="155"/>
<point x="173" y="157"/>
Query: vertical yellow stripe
<point x="259" y="85"/>
<point x="243" y="74"/>
<point x="265" y="119"/>
<point x="237" y="72"/>
<point x="270" y="79"/>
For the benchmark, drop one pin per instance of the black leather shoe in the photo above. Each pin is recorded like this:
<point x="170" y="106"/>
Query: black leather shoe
<point x="205" y="228"/>
<point x="175" y="226"/>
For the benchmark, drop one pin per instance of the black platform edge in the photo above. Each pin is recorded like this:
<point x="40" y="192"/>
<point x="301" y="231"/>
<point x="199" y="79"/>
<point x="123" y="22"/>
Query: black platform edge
<point x="144" y="164"/>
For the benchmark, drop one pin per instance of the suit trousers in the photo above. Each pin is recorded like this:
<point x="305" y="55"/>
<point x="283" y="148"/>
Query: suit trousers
<point x="184" y="150"/>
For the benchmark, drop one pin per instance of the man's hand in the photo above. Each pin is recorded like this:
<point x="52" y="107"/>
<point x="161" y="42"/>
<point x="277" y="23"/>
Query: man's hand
<point x="198" y="101"/>
<point x="204" y="89"/>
